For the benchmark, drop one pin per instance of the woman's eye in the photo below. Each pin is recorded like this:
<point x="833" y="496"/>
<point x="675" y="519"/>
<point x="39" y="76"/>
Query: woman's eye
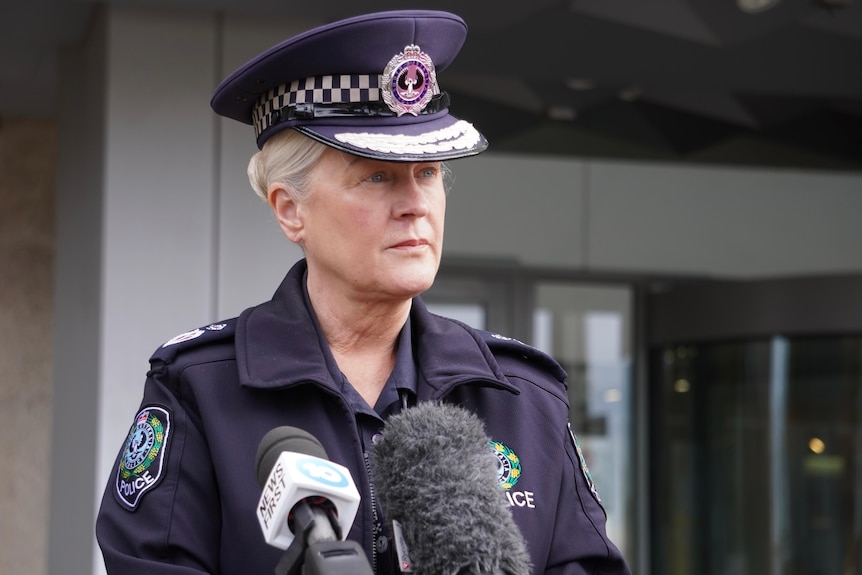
<point x="376" y="178"/>
<point x="429" y="172"/>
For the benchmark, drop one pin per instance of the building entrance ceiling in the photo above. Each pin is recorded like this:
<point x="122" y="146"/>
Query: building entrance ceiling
<point x="746" y="82"/>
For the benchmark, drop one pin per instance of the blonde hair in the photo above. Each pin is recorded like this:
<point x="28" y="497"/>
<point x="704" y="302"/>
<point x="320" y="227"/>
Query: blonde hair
<point x="287" y="157"/>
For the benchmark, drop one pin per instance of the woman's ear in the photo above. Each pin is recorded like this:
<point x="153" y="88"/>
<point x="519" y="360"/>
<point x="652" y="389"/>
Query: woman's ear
<point x="286" y="210"/>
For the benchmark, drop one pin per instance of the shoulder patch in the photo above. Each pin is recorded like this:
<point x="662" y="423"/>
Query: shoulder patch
<point x="187" y="336"/>
<point x="583" y="463"/>
<point x="194" y="334"/>
<point x="142" y="459"/>
<point x="198" y="337"/>
<point x="500" y="343"/>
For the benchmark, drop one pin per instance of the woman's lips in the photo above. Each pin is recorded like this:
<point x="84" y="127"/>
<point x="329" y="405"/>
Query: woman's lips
<point x="413" y="243"/>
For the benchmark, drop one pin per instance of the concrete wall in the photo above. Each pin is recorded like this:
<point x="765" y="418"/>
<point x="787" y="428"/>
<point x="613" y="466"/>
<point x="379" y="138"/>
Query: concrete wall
<point x="77" y="297"/>
<point x="158" y="232"/>
<point x="28" y="160"/>
<point x="656" y="218"/>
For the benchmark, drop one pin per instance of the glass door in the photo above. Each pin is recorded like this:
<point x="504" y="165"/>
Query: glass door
<point x="756" y="406"/>
<point x="588" y="329"/>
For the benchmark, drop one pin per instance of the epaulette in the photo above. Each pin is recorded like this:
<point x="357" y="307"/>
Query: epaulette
<point x="502" y="344"/>
<point x="194" y="339"/>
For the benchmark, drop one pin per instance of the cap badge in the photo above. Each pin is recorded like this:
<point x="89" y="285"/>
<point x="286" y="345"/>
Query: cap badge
<point x="409" y="81"/>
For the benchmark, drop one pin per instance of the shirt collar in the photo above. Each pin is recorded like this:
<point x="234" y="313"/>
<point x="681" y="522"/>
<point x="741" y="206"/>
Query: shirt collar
<point x="402" y="379"/>
<point x="277" y="346"/>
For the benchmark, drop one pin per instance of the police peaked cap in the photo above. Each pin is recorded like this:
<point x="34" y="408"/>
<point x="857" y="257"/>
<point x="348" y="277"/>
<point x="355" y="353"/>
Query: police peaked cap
<point x="366" y="85"/>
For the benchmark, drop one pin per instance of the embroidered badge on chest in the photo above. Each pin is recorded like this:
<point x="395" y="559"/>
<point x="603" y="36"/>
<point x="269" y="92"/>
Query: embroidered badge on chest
<point x="508" y="473"/>
<point x="508" y="465"/>
<point x="142" y="459"/>
<point x="409" y="81"/>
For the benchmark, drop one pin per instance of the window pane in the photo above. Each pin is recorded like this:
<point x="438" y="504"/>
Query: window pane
<point x="823" y="456"/>
<point x="711" y="459"/>
<point x="757" y="457"/>
<point x="588" y="330"/>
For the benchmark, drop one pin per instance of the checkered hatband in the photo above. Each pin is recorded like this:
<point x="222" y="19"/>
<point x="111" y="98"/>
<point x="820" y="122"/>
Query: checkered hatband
<point x="336" y="89"/>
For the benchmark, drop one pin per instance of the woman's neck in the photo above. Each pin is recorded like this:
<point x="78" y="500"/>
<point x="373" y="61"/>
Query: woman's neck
<point x="352" y="326"/>
<point x="362" y="335"/>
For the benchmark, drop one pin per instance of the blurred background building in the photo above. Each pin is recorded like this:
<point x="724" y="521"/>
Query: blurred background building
<point x="671" y="207"/>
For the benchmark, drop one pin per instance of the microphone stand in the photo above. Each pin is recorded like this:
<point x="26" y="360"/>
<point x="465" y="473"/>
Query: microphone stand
<point x="317" y="549"/>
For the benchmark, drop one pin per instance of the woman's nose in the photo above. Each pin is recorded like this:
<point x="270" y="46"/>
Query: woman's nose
<point x="412" y="199"/>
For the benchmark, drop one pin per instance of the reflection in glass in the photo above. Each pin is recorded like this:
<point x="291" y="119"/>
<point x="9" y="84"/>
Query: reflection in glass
<point x="757" y="457"/>
<point x="587" y="329"/>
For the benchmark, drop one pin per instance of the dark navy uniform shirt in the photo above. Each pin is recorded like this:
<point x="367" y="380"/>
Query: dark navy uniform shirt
<point x="183" y="495"/>
<point x="397" y="393"/>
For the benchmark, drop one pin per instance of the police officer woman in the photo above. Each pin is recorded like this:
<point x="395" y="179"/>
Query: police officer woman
<point x="352" y="128"/>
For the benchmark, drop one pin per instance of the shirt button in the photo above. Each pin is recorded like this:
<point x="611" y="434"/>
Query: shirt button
<point x="382" y="543"/>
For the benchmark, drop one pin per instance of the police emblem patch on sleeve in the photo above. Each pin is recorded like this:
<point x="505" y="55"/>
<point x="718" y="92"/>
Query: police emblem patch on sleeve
<point x="142" y="459"/>
<point x="584" y="469"/>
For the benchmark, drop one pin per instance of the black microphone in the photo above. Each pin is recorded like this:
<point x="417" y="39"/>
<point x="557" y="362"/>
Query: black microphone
<point x="436" y="477"/>
<point x="307" y="506"/>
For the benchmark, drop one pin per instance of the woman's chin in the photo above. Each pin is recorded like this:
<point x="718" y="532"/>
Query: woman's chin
<point x="410" y="283"/>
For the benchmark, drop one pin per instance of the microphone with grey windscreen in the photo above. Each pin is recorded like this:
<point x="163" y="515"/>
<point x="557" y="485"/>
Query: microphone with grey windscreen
<point x="436" y="476"/>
